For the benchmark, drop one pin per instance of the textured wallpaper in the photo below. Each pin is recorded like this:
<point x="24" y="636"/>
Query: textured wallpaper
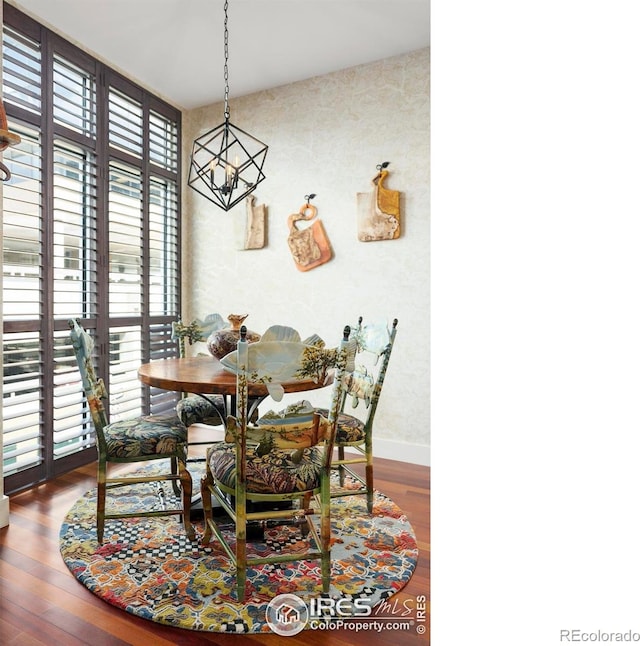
<point x="326" y="135"/>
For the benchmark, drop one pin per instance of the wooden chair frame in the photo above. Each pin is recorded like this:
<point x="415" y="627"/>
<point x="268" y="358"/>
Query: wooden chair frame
<point x="179" y="476"/>
<point x="234" y="500"/>
<point x="364" y="445"/>
<point x="196" y="409"/>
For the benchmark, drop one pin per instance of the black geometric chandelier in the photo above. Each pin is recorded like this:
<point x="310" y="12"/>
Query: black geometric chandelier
<point x="226" y="162"/>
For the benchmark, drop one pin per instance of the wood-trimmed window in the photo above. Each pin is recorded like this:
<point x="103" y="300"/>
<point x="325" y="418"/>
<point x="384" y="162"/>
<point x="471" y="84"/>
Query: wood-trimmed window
<point x="91" y="230"/>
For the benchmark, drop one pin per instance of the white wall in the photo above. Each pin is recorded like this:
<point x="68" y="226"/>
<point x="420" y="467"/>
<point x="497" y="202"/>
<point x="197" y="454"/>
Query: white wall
<point x="326" y="136"/>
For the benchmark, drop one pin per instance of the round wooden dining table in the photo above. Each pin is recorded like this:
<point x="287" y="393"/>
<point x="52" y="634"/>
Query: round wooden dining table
<point x="205" y="375"/>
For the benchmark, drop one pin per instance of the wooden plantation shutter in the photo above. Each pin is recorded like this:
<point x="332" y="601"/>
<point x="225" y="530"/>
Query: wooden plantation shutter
<point x="91" y="226"/>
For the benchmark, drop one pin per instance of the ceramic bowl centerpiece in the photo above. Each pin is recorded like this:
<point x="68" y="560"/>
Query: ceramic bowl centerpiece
<point x="223" y="341"/>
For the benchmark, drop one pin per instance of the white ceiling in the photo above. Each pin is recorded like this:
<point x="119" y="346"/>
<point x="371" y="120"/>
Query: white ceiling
<point x="175" y="47"/>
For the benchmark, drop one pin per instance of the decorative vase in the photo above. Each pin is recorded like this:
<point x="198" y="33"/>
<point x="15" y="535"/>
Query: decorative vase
<point x="221" y="342"/>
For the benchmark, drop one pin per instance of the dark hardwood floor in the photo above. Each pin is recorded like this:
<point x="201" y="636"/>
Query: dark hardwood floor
<point x="41" y="603"/>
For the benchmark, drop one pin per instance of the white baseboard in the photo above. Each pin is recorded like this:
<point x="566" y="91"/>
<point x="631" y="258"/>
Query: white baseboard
<point x="4" y="511"/>
<point x="402" y="451"/>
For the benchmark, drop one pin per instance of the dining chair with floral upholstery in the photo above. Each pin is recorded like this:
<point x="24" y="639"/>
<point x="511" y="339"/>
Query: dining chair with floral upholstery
<point x="142" y="439"/>
<point x="283" y="460"/>
<point x="209" y="409"/>
<point x="364" y="378"/>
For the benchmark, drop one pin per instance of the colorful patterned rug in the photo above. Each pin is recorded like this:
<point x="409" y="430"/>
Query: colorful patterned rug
<point x="147" y="566"/>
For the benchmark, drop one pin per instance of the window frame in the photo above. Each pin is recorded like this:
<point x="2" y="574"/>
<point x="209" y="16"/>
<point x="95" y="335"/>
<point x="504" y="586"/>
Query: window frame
<point x="155" y="329"/>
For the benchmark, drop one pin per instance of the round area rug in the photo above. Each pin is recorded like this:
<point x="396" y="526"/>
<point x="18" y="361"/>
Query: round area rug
<point x="147" y="566"/>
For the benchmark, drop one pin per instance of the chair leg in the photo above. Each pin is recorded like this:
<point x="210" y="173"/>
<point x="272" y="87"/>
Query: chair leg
<point x="306" y="504"/>
<point x="325" y="535"/>
<point x="175" y="471"/>
<point x="241" y="568"/>
<point x="187" y="488"/>
<point x="101" y="500"/>
<point x="341" y="470"/>
<point x="241" y="552"/>
<point x="207" y="509"/>
<point x="369" y="472"/>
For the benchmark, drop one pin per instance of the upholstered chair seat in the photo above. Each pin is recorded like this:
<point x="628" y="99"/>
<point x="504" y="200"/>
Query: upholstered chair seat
<point x="274" y="473"/>
<point x="145" y="436"/>
<point x="350" y="428"/>
<point x="195" y="409"/>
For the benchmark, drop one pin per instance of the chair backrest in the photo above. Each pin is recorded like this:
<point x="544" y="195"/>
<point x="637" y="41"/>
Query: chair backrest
<point x="197" y="330"/>
<point x="367" y="370"/>
<point x="94" y="388"/>
<point x="298" y="427"/>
